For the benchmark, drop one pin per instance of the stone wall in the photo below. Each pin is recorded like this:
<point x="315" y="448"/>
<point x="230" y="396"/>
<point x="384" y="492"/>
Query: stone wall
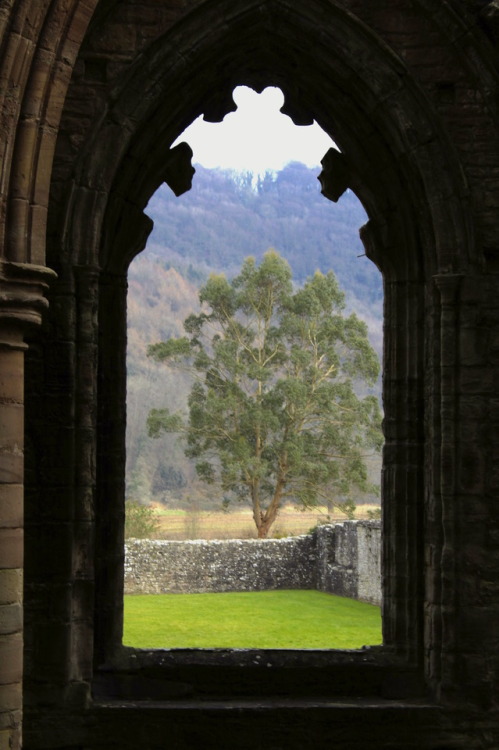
<point x="92" y="93"/>
<point x="349" y="560"/>
<point x="343" y="559"/>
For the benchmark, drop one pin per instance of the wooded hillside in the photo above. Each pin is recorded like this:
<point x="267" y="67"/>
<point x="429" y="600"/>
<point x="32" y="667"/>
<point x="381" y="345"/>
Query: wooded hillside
<point x="213" y="227"/>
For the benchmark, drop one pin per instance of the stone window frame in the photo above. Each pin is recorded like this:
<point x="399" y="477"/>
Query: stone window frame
<point x="392" y="670"/>
<point x="410" y="187"/>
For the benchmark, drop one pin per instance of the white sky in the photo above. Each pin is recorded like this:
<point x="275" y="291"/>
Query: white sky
<point x="255" y="138"/>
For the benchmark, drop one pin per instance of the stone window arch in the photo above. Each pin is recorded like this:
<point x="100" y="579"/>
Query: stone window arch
<point x="393" y="155"/>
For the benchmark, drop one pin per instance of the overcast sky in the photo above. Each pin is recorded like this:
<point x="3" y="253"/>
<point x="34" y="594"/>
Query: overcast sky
<point x="257" y="137"/>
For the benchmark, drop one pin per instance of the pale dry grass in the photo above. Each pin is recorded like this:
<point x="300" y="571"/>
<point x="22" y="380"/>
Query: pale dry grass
<point x="182" y="524"/>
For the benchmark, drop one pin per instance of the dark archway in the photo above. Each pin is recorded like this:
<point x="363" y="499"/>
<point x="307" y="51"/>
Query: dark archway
<point x="396" y="158"/>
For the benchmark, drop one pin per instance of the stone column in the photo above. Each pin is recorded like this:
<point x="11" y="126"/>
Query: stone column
<point x="22" y="302"/>
<point x="444" y="588"/>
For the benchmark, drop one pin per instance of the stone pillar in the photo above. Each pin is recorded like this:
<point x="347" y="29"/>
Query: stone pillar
<point x="22" y="302"/>
<point x="443" y="593"/>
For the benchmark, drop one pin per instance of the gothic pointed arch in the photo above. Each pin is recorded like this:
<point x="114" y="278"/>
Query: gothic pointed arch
<point x="338" y="75"/>
<point x="387" y="81"/>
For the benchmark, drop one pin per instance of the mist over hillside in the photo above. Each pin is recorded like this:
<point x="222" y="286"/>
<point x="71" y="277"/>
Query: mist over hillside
<point x="224" y="218"/>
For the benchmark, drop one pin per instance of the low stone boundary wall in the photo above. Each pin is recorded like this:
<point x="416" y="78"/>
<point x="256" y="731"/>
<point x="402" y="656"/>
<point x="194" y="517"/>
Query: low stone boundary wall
<point x="349" y="560"/>
<point x="342" y="559"/>
<point x="159" y="567"/>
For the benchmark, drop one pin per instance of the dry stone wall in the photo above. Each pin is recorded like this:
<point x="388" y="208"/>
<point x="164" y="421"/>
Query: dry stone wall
<point x="342" y="559"/>
<point x="349" y="560"/>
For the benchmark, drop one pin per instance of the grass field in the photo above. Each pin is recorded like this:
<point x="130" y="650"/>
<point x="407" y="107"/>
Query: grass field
<point x="238" y="524"/>
<point x="262" y="619"/>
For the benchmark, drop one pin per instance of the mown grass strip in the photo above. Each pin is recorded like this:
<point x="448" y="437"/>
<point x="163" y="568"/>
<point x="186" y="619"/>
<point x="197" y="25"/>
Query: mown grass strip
<point x="261" y="619"/>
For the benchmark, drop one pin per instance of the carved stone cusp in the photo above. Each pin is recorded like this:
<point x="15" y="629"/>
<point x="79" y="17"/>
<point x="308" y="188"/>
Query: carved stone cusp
<point x="219" y="106"/>
<point x="178" y="168"/>
<point x="293" y="108"/>
<point x="373" y="237"/>
<point x="335" y="176"/>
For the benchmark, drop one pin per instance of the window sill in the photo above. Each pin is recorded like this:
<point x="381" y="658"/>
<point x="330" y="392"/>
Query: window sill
<point x="220" y="674"/>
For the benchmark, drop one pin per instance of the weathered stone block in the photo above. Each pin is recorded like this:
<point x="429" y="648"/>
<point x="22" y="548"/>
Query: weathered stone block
<point x="11" y="658"/>
<point x="10" y="697"/>
<point x="11" y="548"/>
<point x="12" y="376"/>
<point x="11" y="618"/>
<point x="6" y="739"/>
<point x="11" y="506"/>
<point x="12" y="467"/>
<point x="11" y="585"/>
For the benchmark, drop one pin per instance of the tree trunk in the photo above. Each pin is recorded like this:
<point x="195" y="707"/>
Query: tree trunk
<point x="265" y="524"/>
<point x="330" y="508"/>
<point x="265" y="519"/>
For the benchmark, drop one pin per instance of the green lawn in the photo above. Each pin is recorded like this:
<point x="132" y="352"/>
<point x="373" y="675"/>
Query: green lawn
<point x="262" y="619"/>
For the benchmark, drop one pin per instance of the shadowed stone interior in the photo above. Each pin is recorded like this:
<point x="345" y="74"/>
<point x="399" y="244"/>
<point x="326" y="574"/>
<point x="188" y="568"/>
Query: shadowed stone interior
<point x="92" y="95"/>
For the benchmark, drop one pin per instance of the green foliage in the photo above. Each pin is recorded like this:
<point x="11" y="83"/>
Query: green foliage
<point x="284" y="210"/>
<point x="260" y="619"/>
<point x="274" y="415"/>
<point x="348" y="507"/>
<point x="167" y="477"/>
<point x="225" y="217"/>
<point x="374" y="515"/>
<point x="171" y="349"/>
<point x="161" y="420"/>
<point x="140" y="521"/>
